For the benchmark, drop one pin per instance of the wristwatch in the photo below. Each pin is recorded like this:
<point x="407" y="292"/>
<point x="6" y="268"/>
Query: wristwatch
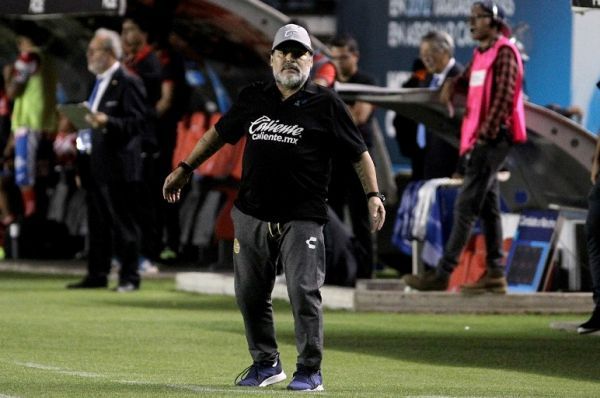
<point x="186" y="167"/>
<point x="378" y="194"/>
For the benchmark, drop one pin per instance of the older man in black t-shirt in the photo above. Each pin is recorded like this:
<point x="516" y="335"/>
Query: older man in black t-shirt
<point x="292" y="128"/>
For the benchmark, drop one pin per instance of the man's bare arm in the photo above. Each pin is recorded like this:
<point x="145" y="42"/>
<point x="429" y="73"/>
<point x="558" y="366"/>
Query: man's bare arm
<point x="204" y="149"/>
<point x="365" y="169"/>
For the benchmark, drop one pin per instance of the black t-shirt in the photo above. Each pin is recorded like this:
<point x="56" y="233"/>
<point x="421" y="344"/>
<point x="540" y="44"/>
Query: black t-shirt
<point x="289" y="145"/>
<point x="365" y="128"/>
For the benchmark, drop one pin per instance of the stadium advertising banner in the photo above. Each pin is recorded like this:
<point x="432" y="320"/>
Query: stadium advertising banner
<point x="45" y="7"/>
<point x="530" y="251"/>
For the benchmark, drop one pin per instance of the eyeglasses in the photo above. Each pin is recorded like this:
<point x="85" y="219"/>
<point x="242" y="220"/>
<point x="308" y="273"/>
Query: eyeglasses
<point x="92" y="50"/>
<point x="474" y="18"/>
<point x="295" y="52"/>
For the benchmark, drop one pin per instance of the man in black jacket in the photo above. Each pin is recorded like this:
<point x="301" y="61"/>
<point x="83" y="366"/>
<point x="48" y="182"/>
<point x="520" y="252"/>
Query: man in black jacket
<point x="431" y="155"/>
<point x="118" y="112"/>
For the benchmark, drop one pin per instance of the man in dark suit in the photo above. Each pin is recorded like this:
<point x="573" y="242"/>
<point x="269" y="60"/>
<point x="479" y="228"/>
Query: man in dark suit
<point x="431" y="155"/>
<point x="118" y="112"/>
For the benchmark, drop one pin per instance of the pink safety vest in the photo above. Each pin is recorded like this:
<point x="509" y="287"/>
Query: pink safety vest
<point x="480" y="92"/>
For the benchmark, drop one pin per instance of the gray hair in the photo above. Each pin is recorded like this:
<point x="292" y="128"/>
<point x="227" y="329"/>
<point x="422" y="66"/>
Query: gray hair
<point x="441" y="40"/>
<point x="111" y="41"/>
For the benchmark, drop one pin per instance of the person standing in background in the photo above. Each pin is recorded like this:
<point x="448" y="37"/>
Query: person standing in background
<point x="140" y="59"/>
<point x="592" y="231"/>
<point x="345" y="188"/>
<point x="118" y="114"/>
<point x="431" y="155"/>
<point x="170" y="108"/>
<point x="494" y="120"/>
<point x="31" y="84"/>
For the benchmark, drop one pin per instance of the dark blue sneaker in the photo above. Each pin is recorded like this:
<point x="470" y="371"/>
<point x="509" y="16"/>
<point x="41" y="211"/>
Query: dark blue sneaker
<point x="261" y="374"/>
<point x="306" y="379"/>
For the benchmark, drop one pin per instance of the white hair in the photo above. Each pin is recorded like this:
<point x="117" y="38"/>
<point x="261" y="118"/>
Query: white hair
<point x="441" y="40"/>
<point x="111" y="41"/>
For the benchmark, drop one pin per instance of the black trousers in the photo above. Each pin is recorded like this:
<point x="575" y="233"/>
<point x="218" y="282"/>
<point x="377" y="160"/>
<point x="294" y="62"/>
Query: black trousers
<point x="479" y="197"/>
<point x="147" y="209"/>
<point x="345" y="189"/>
<point x="592" y="230"/>
<point x="113" y="230"/>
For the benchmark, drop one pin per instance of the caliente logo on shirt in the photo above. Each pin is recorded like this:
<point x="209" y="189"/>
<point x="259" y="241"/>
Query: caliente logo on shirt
<point x="266" y="129"/>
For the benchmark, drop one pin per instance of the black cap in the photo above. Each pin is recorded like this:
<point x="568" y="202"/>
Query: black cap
<point x="497" y="13"/>
<point x="493" y="8"/>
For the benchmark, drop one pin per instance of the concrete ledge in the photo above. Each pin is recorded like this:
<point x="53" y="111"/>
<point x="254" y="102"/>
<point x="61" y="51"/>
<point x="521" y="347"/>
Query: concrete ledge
<point x="77" y="268"/>
<point x="388" y="295"/>
<point x="69" y="267"/>
<point x="213" y="283"/>
<point x="391" y="296"/>
<point x="440" y="302"/>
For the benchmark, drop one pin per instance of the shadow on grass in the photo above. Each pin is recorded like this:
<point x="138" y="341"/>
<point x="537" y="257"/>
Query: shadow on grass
<point x="524" y="349"/>
<point x="553" y="354"/>
<point x="563" y="355"/>
<point x="177" y="301"/>
<point x="541" y="352"/>
<point x="184" y="301"/>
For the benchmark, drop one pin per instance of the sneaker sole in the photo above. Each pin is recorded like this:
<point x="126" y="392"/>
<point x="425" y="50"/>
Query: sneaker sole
<point x="317" y="388"/>
<point x="581" y="330"/>
<point x="273" y="379"/>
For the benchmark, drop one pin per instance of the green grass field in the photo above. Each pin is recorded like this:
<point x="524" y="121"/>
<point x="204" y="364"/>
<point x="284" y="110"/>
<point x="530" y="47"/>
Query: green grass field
<point x="162" y="343"/>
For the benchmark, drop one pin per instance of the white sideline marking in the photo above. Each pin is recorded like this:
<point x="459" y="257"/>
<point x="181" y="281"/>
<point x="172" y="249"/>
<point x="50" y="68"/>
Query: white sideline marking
<point x="8" y="396"/>
<point x="190" y="387"/>
<point x="59" y="370"/>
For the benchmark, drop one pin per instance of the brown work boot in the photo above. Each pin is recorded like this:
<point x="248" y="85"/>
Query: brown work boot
<point x="429" y="281"/>
<point x="491" y="282"/>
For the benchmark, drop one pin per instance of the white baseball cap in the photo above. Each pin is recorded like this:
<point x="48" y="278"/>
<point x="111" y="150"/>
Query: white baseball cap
<point x="292" y="32"/>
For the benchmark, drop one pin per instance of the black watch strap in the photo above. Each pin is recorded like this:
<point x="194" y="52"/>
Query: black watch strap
<point x="186" y="167"/>
<point x="378" y="194"/>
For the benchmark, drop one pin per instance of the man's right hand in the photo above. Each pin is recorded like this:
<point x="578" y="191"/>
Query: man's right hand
<point x="173" y="184"/>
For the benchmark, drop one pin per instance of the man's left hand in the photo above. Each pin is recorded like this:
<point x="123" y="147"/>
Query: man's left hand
<point x="376" y="213"/>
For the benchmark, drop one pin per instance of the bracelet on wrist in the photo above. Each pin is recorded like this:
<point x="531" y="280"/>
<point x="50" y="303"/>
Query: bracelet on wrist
<point x="187" y="168"/>
<point x="377" y="194"/>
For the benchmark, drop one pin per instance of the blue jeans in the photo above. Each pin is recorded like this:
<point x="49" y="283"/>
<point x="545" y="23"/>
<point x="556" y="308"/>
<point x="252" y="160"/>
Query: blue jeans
<point x="592" y="231"/>
<point x="479" y="197"/>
